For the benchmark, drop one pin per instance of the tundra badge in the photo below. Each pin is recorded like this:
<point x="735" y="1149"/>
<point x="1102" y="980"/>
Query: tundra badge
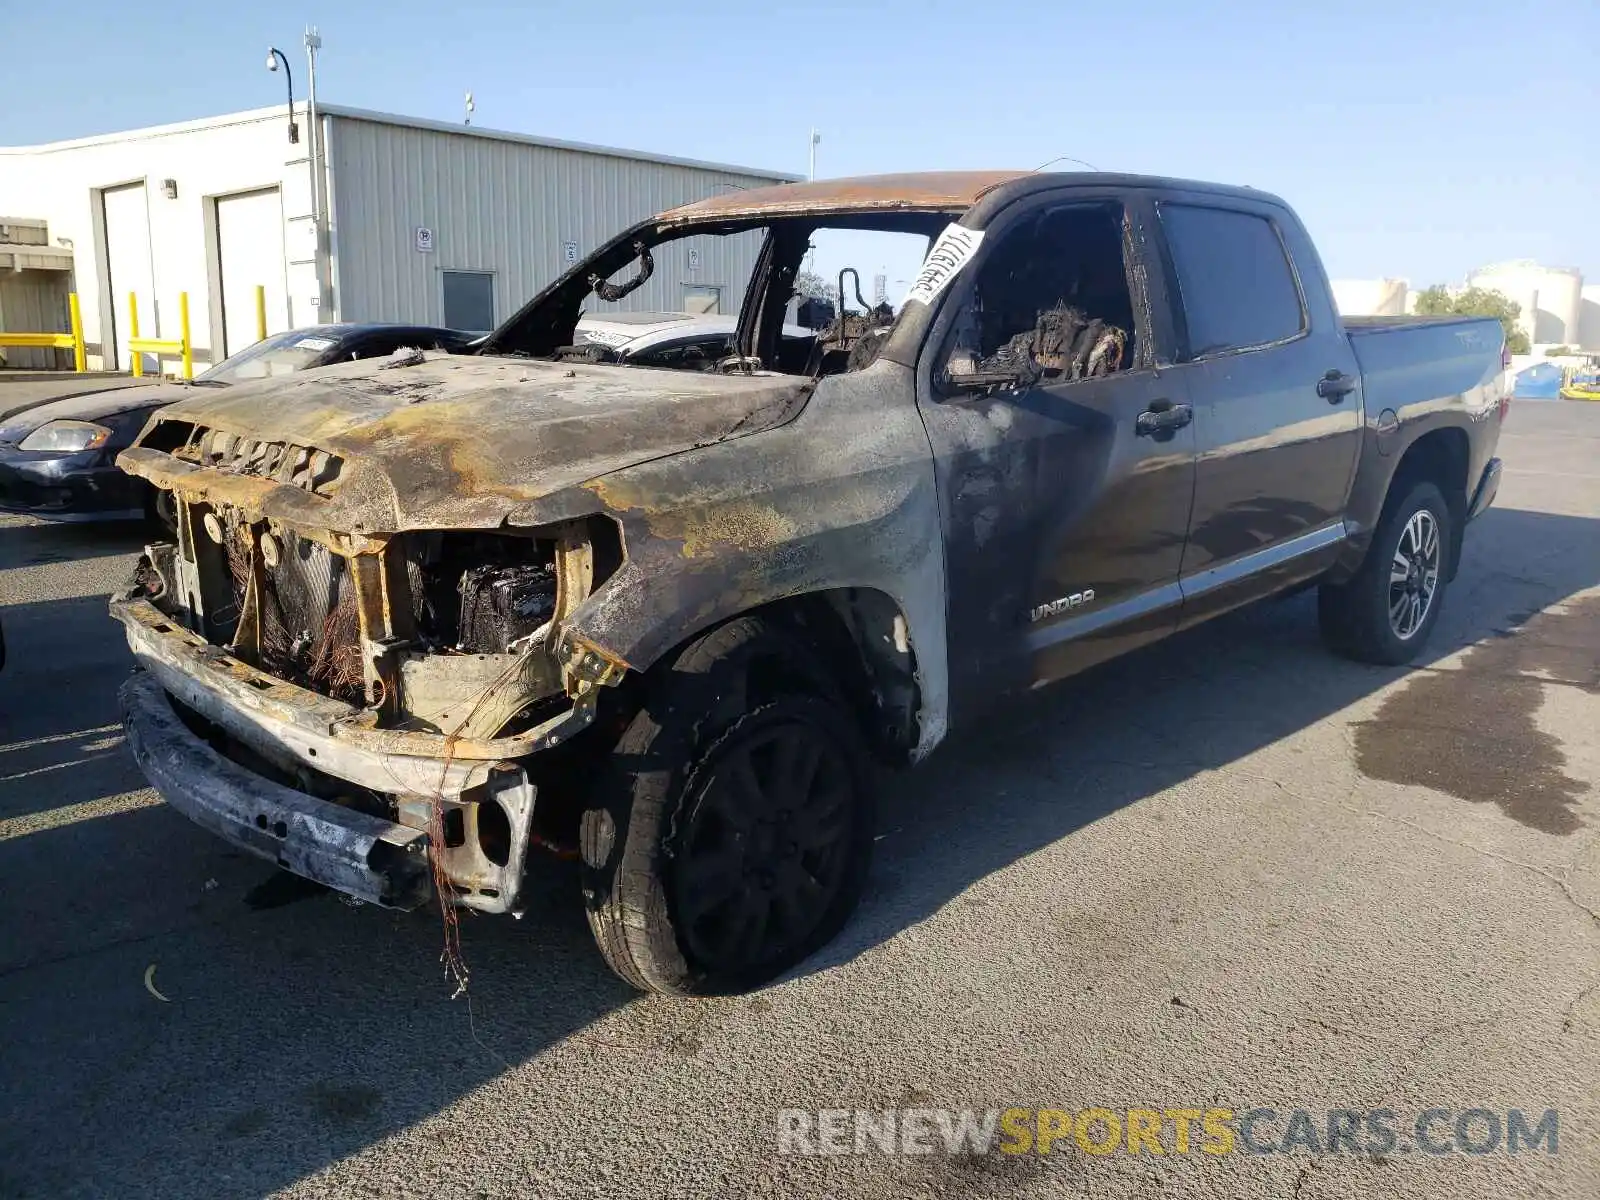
<point x="1065" y="604"/>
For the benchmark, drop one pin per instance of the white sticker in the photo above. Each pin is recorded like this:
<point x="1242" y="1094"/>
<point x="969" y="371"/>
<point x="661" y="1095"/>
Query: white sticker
<point x="313" y="343"/>
<point x="424" y="240"/>
<point x="606" y="337"/>
<point x="569" y="253"/>
<point x="953" y="250"/>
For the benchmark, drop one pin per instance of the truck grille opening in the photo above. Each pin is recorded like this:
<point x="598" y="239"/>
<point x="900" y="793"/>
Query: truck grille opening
<point x="283" y="601"/>
<point x="305" y="467"/>
<point x="478" y="593"/>
<point x="310" y="633"/>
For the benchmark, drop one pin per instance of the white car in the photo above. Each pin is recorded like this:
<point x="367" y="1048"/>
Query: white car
<point x="677" y="339"/>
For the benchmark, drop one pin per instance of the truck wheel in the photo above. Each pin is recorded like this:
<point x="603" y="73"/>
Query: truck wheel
<point x="160" y="513"/>
<point x="730" y="833"/>
<point x="1386" y="612"/>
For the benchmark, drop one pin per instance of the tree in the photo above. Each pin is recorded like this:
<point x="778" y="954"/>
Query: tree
<point x="1476" y="302"/>
<point x="1557" y="351"/>
<point x="811" y="284"/>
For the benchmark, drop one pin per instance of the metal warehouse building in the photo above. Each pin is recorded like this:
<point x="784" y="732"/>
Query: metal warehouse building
<point x="400" y="220"/>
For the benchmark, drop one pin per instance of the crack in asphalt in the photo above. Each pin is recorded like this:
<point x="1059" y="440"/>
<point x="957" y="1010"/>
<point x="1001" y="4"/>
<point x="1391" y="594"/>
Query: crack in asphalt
<point x="1558" y="880"/>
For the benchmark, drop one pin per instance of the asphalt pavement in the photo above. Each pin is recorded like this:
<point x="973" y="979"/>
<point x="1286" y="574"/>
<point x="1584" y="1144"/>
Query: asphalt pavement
<point x="1229" y="872"/>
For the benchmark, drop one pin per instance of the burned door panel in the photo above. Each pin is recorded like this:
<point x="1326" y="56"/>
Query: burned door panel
<point x="1064" y="523"/>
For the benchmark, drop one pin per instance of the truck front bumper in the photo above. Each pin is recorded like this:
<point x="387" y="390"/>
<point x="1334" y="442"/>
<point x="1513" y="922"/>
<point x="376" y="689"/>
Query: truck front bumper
<point x="295" y="729"/>
<point x="358" y="854"/>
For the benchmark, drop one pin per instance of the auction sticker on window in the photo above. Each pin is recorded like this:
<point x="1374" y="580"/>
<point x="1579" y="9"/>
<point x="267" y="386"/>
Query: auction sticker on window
<point x="313" y="343"/>
<point x="953" y="251"/>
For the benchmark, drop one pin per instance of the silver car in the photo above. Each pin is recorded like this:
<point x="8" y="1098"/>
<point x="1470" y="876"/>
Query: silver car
<point x="677" y="339"/>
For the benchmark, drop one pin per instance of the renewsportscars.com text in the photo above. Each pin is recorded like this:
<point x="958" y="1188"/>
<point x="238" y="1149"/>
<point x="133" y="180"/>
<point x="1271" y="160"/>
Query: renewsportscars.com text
<point x="1180" y="1130"/>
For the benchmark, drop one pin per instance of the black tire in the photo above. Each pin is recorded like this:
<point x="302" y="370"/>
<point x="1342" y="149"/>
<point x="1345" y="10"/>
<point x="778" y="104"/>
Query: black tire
<point x="1358" y="617"/>
<point x="693" y="806"/>
<point x="160" y="513"/>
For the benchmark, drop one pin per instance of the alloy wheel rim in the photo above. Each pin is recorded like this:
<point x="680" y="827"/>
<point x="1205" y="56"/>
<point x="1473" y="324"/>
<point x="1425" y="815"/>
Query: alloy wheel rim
<point x="764" y="852"/>
<point x="1414" y="574"/>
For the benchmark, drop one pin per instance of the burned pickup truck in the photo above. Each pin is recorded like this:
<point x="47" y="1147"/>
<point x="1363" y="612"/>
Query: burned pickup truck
<point x="423" y="619"/>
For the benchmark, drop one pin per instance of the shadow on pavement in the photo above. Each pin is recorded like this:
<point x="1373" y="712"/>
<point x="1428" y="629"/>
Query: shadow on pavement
<point x="61" y="741"/>
<point x="36" y="544"/>
<point x="298" y="1030"/>
<point x="301" y="1033"/>
<point x="1136" y="726"/>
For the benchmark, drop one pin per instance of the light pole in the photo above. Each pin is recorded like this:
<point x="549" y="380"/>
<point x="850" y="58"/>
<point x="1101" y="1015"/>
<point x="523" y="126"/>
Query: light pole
<point x="313" y="43"/>
<point x="815" y="138"/>
<point x="274" y="57"/>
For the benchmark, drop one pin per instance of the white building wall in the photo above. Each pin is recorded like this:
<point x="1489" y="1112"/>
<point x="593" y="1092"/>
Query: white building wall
<point x="61" y="182"/>
<point x="1370" y="297"/>
<point x="1589" y="318"/>
<point x="507" y="206"/>
<point x="1549" y="297"/>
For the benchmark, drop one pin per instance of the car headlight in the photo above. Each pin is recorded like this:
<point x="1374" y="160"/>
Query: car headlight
<point x="66" y="437"/>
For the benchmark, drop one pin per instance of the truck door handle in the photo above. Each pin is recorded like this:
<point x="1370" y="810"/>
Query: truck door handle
<point x="1162" y="416"/>
<point x="1335" y="386"/>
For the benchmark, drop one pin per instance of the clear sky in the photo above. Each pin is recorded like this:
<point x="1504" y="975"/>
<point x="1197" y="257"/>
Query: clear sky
<point x="1416" y="137"/>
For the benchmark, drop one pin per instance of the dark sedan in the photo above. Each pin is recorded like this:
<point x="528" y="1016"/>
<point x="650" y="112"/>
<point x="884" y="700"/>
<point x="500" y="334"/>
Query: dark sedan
<point x="58" y="459"/>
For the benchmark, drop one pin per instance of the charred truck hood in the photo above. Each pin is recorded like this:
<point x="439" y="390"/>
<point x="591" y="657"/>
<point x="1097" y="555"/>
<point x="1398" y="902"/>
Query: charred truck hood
<point x="449" y="443"/>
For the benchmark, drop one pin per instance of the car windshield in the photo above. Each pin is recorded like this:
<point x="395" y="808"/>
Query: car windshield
<point x="810" y="296"/>
<point x="280" y="354"/>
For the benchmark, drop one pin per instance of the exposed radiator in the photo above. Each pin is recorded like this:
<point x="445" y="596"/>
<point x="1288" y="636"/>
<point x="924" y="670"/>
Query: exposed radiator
<point x="309" y="630"/>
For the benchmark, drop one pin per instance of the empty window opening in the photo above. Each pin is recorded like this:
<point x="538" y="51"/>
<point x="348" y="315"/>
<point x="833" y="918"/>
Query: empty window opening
<point x="1051" y="303"/>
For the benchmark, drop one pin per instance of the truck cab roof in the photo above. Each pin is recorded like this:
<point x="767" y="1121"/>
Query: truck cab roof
<point x="927" y="191"/>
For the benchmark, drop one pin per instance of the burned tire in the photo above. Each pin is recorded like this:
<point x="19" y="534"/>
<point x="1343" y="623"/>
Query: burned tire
<point x="1388" y="609"/>
<point x="730" y="834"/>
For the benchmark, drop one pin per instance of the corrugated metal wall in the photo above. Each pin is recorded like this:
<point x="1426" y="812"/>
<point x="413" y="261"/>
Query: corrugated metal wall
<point x="35" y="302"/>
<point x="506" y="207"/>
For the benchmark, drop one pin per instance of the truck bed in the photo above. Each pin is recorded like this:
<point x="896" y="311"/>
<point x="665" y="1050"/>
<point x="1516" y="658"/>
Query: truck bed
<point x="1406" y="361"/>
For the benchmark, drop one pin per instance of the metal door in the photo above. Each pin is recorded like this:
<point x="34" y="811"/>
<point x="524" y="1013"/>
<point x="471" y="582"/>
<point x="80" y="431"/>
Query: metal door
<point x="250" y="255"/>
<point x="1065" y="503"/>
<point x="128" y="270"/>
<point x="1276" y="395"/>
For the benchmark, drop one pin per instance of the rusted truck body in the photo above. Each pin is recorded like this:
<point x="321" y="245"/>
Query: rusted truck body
<point x="422" y="617"/>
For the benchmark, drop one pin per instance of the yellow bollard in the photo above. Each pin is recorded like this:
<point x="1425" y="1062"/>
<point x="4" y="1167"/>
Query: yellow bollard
<point x="183" y="330"/>
<point x="133" y="334"/>
<point x="161" y="348"/>
<point x="261" y="313"/>
<point x="78" y="363"/>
